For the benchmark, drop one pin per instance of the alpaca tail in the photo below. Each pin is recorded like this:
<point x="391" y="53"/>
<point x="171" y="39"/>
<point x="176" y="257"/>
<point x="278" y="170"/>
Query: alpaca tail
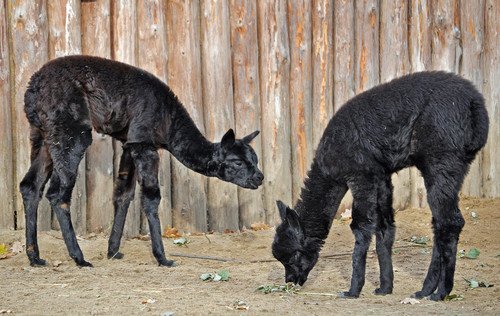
<point x="480" y="123"/>
<point x="30" y="107"/>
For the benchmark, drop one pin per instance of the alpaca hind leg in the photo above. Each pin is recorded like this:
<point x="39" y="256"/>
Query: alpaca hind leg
<point x="146" y="161"/>
<point x="122" y="196"/>
<point x="66" y="151"/>
<point x="363" y="216"/>
<point x="385" y="234"/>
<point x="31" y="188"/>
<point x="443" y="180"/>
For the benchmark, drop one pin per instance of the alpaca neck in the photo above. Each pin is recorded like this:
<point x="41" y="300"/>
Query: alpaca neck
<point x="186" y="143"/>
<point x="318" y="203"/>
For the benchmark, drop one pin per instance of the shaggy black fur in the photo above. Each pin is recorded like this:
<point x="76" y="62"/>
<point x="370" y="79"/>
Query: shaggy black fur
<point x="435" y="121"/>
<point x="69" y="96"/>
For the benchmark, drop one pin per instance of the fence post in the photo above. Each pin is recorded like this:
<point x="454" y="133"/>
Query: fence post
<point x="96" y="41"/>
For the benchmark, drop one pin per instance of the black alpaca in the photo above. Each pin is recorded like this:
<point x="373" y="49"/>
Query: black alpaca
<point x="435" y="121"/>
<point x="68" y="97"/>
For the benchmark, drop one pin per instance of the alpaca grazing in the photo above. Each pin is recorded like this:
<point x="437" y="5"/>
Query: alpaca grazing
<point x="435" y="121"/>
<point x="68" y="97"/>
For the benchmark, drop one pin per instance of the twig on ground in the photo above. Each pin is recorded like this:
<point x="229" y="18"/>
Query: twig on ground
<point x="316" y="293"/>
<point x="203" y="257"/>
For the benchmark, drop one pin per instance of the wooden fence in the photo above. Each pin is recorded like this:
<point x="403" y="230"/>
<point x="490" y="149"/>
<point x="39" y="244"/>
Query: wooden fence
<point x="283" y="67"/>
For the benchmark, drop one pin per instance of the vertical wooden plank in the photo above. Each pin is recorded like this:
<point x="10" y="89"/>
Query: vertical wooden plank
<point x="394" y="62"/>
<point x="218" y="105"/>
<point x="6" y="184"/>
<point x="322" y="59"/>
<point x="123" y="44"/>
<point x="472" y="34"/>
<point x="274" y="87"/>
<point x="300" y="28"/>
<point x="245" y="63"/>
<point x="152" y="56"/>
<point x="419" y="48"/>
<point x="64" y="18"/>
<point x="491" y="158"/>
<point x="343" y="74"/>
<point x="366" y="70"/>
<point x="446" y="51"/>
<point x="96" y="40"/>
<point x="189" y="198"/>
<point x="28" y="24"/>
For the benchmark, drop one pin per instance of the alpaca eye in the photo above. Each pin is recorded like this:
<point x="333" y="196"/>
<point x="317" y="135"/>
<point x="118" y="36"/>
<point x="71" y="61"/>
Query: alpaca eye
<point x="238" y="163"/>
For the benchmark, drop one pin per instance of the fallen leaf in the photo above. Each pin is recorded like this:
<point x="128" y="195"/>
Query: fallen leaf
<point x="17" y="247"/>
<point x="171" y="232"/>
<point x="143" y="237"/>
<point x="453" y="297"/>
<point x="410" y="300"/>
<point x="57" y="263"/>
<point x="473" y="283"/>
<point x="222" y="275"/>
<point x="4" y="252"/>
<point x="345" y="215"/>
<point x="289" y="288"/>
<point x="183" y="241"/>
<point x="149" y="301"/>
<point x="419" y="240"/>
<point x="228" y="231"/>
<point x="207" y="276"/>
<point x="473" y="253"/>
<point x="260" y="226"/>
<point x="240" y="306"/>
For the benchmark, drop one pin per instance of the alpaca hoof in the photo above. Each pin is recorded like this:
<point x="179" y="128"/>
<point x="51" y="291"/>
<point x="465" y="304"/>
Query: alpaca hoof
<point x="436" y="297"/>
<point x="418" y="295"/>
<point x="82" y="263"/>
<point x="166" y="263"/>
<point x="380" y="291"/>
<point x="115" y="255"/>
<point x="37" y="262"/>
<point x="348" y="295"/>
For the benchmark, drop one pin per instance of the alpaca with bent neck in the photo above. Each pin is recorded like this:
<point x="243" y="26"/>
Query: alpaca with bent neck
<point x="70" y="96"/>
<point x="435" y="121"/>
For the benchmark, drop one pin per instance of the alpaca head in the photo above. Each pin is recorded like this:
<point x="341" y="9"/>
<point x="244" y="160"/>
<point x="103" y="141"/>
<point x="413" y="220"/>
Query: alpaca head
<point x="292" y="248"/>
<point x="235" y="161"/>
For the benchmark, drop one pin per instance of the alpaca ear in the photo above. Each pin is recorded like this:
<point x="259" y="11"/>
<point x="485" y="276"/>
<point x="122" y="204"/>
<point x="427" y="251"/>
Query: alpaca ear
<point x="282" y="209"/>
<point x="289" y="215"/>
<point x="247" y="139"/>
<point x="228" y="139"/>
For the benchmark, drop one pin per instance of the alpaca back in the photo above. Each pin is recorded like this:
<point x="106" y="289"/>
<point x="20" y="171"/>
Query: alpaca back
<point x="393" y="125"/>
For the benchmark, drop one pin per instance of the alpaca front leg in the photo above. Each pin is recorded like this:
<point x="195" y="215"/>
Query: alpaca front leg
<point x="363" y="238"/>
<point x="146" y="162"/>
<point x="363" y="228"/>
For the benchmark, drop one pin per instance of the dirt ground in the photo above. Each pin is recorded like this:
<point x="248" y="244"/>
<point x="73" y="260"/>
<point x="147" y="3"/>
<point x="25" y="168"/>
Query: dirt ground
<point x="136" y="285"/>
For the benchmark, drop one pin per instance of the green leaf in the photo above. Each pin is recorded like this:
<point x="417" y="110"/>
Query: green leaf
<point x="289" y="288"/>
<point x="420" y="240"/>
<point x="472" y="283"/>
<point x="454" y="297"/>
<point x="472" y="254"/>
<point x="224" y="275"/>
<point x="3" y="249"/>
